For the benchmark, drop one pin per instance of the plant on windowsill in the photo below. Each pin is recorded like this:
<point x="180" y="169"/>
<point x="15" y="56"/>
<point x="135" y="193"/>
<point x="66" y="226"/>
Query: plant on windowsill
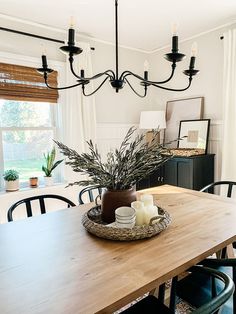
<point x="134" y="160"/>
<point x="33" y="182"/>
<point x="11" y="178"/>
<point x="50" y="166"/>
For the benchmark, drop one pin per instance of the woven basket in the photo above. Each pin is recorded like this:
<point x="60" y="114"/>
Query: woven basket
<point x="92" y="222"/>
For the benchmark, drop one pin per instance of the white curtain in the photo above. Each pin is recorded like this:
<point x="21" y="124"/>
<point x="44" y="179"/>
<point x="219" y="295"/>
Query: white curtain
<point x="229" y="107"/>
<point x="78" y="113"/>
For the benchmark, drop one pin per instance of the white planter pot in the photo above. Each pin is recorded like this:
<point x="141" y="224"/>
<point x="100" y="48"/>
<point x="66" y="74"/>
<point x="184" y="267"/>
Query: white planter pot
<point x="12" y="185"/>
<point x="48" y="181"/>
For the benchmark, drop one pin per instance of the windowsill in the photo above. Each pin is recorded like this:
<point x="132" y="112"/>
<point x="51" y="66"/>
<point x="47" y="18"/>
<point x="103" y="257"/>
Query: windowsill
<point x="26" y="189"/>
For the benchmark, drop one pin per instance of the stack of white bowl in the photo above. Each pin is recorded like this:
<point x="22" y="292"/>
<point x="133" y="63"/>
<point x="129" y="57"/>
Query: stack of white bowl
<point x="125" y="217"/>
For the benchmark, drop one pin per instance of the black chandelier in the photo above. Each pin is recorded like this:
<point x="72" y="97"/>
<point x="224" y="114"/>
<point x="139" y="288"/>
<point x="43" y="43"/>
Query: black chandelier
<point x="118" y="81"/>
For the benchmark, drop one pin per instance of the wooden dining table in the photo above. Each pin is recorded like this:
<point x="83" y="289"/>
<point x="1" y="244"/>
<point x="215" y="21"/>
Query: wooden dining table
<point x="51" y="264"/>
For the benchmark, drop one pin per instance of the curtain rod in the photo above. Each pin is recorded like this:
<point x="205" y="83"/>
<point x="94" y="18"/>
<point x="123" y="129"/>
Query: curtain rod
<point x="34" y="36"/>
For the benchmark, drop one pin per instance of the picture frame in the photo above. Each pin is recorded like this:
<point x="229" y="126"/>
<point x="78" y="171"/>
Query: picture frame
<point x="181" y="109"/>
<point x="194" y="134"/>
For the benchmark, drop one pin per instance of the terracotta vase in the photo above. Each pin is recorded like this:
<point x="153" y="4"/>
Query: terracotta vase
<point x="112" y="199"/>
<point x="33" y="182"/>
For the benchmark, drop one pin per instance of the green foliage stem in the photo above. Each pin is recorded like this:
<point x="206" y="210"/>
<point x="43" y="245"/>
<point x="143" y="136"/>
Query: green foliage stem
<point x="130" y="163"/>
<point x="50" y="164"/>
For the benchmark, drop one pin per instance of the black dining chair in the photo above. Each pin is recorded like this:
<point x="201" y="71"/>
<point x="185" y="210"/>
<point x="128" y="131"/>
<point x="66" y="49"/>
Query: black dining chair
<point x="196" y="289"/>
<point x="228" y="184"/>
<point x="90" y="193"/>
<point x="229" y="187"/>
<point x="153" y="305"/>
<point x="41" y="199"/>
<point x="184" y="286"/>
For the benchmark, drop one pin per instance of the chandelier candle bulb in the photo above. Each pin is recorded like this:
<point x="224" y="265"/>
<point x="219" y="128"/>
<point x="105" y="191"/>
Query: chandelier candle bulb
<point x="194" y="49"/>
<point x="44" y="51"/>
<point x="82" y="73"/>
<point x="72" y="22"/>
<point x="174" y="29"/>
<point x="145" y="66"/>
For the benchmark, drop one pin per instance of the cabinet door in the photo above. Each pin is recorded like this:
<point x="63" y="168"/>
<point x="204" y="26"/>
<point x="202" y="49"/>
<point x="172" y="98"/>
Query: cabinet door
<point x="156" y="178"/>
<point x="185" y="174"/>
<point x="170" y="172"/>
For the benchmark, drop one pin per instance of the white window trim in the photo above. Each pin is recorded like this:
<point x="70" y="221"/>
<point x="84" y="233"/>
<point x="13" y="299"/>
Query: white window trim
<point x="59" y="66"/>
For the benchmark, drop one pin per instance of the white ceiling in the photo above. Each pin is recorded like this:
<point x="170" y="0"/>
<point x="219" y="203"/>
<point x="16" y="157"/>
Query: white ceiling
<point x="144" y="24"/>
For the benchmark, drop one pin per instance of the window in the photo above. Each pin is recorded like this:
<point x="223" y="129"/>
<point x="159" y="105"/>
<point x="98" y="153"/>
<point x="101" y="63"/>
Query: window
<point x="27" y="121"/>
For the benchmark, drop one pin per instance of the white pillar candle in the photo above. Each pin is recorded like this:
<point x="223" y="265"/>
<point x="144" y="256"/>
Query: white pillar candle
<point x="137" y="205"/>
<point x="150" y="212"/>
<point x="147" y="199"/>
<point x="139" y="210"/>
<point x="139" y="217"/>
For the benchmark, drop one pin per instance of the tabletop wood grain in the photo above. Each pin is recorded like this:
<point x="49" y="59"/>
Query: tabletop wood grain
<point x="50" y="264"/>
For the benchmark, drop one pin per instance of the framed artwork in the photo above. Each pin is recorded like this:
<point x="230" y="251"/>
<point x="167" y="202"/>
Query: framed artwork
<point x="194" y="134"/>
<point x="181" y="109"/>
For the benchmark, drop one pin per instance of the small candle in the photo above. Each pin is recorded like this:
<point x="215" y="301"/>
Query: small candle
<point x="140" y="218"/>
<point x="147" y="199"/>
<point x="139" y="210"/>
<point x="150" y="212"/>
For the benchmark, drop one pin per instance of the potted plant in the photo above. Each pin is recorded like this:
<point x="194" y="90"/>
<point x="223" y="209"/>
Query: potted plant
<point x="11" y="178"/>
<point x="50" y="166"/>
<point x="132" y="161"/>
<point x="33" y="182"/>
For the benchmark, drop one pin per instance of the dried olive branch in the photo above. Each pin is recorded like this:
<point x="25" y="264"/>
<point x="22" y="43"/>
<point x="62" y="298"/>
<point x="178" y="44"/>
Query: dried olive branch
<point x="130" y="163"/>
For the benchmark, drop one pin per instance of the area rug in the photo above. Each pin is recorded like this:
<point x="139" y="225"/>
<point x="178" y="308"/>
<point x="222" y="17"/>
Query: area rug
<point x="181" y="308"/>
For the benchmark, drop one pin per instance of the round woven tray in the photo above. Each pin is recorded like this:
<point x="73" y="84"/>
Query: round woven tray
<point x="92" y="222"/>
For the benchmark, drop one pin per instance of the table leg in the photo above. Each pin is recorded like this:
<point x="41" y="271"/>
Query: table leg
<point x="230" y="251"/>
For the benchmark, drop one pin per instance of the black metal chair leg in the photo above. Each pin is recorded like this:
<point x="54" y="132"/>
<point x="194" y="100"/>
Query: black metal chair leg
<point x="173" y="293"/>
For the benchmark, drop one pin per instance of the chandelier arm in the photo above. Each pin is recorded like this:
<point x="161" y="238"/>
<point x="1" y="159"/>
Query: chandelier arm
<point x="60" y="88"/>
<point x="83" y="89"/>
<point x="127" y="73"/>
<point x="93" y="77"/>
<point x="145" y="89"/>
<point x="173" y="89"/>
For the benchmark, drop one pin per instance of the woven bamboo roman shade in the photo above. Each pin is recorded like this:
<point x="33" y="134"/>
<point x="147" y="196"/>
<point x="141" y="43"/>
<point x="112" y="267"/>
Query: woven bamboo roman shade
<point x="26" y="84"/>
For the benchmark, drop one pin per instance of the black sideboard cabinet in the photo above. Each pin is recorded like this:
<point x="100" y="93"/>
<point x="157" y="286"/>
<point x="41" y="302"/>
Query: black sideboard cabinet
<point x="193" y="172"/>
